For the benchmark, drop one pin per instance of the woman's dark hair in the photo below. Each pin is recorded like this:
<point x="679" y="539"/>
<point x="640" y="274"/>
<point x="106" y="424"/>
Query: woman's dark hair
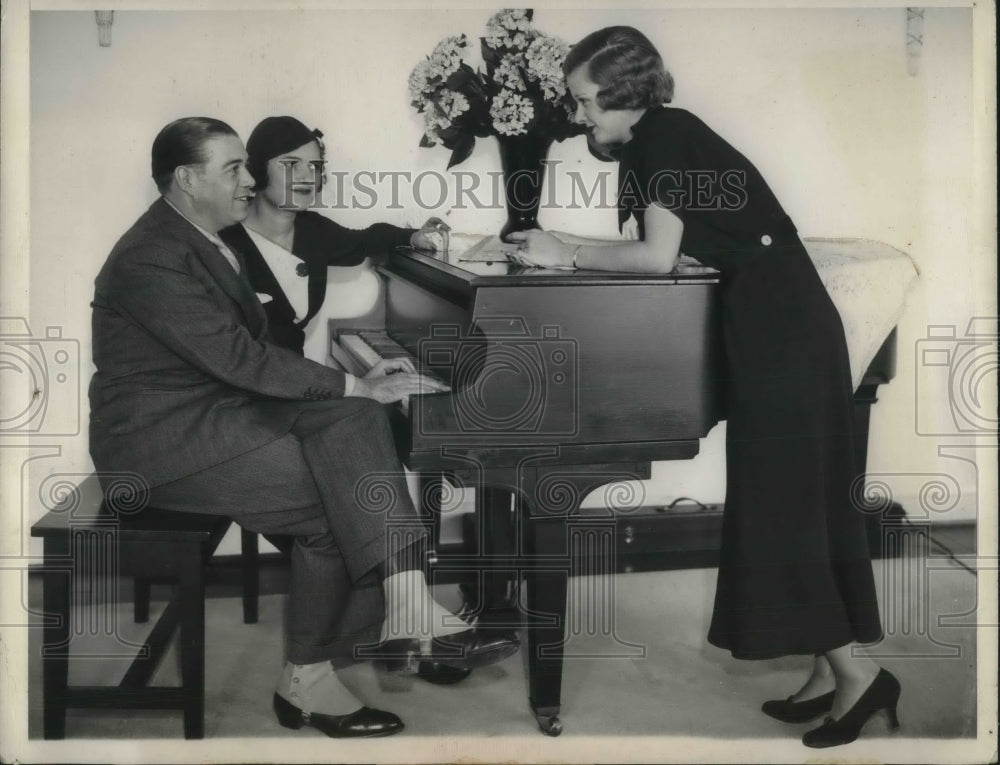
<point x="626" y="67"/>
<point x="273" y="137"/>
<point x="182" y="142"/>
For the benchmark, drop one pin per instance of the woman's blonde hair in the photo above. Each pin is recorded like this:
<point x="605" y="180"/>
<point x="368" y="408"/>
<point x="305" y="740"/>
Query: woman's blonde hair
<point x="626" y="67"/>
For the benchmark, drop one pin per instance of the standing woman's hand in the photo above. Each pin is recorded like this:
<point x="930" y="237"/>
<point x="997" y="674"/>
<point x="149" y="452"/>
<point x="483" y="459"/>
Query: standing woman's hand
<point x="630" y="229"/>
<point x="542" y="249"/>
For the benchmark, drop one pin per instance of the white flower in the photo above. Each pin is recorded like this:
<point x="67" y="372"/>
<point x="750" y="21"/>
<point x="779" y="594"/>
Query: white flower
<point x="510" y="28"/>
<point x="454" y="104"/>
<point x="545" y="56"/>
<point x="508" y="74"/>
<point x="419" y="81"/>
<point x="511" y="113"/>
<point x="527" y="77"/>
<point x="442" y="111"/>
<point x="447" y="56"/>
<point x="430" y="74"/>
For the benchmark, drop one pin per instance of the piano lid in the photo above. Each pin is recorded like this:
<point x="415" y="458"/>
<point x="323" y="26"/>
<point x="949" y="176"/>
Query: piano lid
<point x="462" y="276"/>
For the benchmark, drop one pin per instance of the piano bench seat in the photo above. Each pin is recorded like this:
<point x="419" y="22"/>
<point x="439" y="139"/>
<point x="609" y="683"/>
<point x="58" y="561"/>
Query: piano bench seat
<point x="85" y="541"/>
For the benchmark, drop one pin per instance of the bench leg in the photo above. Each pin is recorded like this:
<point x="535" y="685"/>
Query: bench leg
<point x="55" y="641"/>
<point x="140" y="600"/>
<point x="192" y="646"/>
<point x="251" y="575"/>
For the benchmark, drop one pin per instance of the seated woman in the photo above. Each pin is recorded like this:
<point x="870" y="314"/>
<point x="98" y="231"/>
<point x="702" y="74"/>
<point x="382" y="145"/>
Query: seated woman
<point x="288" y="246"/>
<point x="795" y="574"/>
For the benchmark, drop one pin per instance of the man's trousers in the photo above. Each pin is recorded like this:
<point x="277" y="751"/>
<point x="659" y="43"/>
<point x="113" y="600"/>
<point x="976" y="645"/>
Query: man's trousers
<point x="334" y="483"/>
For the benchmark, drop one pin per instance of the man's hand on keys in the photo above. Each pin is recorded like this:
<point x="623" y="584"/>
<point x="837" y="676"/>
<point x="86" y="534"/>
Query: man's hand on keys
<point x="390" y="366"/>
<point x="395" y="380"/>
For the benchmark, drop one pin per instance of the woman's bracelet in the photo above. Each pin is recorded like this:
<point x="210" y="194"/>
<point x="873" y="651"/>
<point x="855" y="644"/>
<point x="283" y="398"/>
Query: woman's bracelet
<point x="576" y="252"/>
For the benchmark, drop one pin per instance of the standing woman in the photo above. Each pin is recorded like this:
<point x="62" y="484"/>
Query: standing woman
<point x="288" y="246"/>
<point x="795" y="572"/>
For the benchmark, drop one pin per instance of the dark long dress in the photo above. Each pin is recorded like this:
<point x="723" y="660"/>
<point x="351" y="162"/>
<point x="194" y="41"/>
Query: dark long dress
<point x="795" y="573"/>
<point x="319" y="242"/>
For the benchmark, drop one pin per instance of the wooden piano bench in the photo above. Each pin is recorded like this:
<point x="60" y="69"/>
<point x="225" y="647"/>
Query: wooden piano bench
<point x="84" y="537"/>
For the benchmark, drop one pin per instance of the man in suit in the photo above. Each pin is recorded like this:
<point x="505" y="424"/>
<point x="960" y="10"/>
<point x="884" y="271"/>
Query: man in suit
<point x="190" y="396"/>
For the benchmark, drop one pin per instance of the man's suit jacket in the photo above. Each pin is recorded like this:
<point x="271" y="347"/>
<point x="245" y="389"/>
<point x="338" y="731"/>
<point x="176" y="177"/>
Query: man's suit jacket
<point x="184" y="375"/>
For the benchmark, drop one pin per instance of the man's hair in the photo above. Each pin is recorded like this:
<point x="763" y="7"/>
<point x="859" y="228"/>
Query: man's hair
<point x="626" y="67"/>
<point x="182" y="142"/>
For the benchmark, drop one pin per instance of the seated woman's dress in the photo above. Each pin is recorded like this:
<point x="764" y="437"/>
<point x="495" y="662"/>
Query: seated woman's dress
<point x="318" y="243"/>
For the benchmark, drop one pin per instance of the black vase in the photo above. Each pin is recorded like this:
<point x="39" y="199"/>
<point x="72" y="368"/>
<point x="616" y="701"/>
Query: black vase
<point x="522" y="160"/>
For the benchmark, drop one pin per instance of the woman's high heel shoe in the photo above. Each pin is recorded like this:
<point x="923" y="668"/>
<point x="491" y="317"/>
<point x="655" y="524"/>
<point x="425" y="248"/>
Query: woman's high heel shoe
<point x="790" y="711"/>
<point x="883" y="693"/>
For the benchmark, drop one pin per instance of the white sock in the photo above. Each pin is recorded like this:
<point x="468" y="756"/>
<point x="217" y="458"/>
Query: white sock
<point x="316" y="688"/>
<point x="411" y="611"/>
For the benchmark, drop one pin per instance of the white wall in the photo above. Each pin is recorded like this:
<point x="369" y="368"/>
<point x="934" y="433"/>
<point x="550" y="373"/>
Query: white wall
<point x="819" y="99"/>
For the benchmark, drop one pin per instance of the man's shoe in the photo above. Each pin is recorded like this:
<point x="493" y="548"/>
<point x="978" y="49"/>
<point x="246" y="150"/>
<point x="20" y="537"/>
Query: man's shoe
<point x="311" y="694"/>
<point x="441" y="674"/>
<point x="365" y="722"/>
<point x="466" y="650"/>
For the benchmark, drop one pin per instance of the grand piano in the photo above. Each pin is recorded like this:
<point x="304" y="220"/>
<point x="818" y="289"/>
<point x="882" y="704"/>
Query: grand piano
<point x="562" y="383"/>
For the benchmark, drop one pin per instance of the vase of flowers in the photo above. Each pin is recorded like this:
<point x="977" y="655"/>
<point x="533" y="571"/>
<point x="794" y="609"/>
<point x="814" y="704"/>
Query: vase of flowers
<point x="520" y="99"/>
<point x="522" y="159"/>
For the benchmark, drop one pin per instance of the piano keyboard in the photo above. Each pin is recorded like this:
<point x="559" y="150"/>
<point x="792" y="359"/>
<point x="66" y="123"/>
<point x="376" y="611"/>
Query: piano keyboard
<point x="368" y="347"/>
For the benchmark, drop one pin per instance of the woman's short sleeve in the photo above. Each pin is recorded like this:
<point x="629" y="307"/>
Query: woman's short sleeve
<point x="689" y="169"/>
<point x="663" y="163"/>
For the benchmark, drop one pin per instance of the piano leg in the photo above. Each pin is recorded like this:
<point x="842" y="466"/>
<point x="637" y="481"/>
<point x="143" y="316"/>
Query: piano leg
<point x="429" y="507"/>
<point x="864" y="398"/>
<point x="497" y="538"/>
<point x="546" y="605"/>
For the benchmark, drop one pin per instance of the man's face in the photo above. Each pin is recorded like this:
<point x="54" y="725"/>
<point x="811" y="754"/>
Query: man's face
<point x="221" y="187"/>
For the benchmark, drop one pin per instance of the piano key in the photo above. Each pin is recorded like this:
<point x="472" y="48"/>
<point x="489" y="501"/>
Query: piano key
<point x="368" y="348"/>
<point x="360" y="350"/>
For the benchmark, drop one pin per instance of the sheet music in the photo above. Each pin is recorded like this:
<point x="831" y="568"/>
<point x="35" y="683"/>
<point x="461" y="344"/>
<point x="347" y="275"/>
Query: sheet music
<point x="489" y="249"/>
